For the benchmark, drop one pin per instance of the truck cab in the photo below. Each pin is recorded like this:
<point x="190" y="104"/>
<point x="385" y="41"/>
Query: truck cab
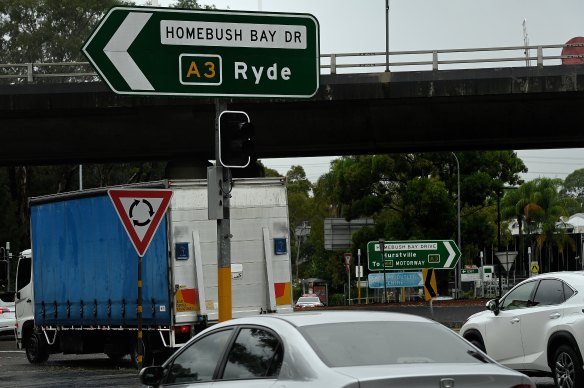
<point x="23" y="299"/>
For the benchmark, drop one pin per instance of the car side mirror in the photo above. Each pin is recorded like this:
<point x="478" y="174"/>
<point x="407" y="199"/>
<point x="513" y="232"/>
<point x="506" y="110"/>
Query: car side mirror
<point x="152" y="376"/>
<point x="493" y="305"/>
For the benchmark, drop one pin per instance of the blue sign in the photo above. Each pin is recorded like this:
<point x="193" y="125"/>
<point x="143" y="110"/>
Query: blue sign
<point x="280" y="247"/>
<point x="181" y="251"/>
<point x="396" y="279"/>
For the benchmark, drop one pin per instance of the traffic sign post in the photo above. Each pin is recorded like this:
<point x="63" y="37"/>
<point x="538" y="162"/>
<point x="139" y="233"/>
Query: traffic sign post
<point x="140" y="212"/>
<point x="359" y="274"/>
<point x="160" y="51"/>
<point x="347" y="258"/>
<point x="217" y="177"/>
<point x="414" y="254"/>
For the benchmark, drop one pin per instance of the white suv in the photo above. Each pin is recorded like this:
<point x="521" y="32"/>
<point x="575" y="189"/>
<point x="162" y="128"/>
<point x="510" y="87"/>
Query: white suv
<point x="537" y="328"/>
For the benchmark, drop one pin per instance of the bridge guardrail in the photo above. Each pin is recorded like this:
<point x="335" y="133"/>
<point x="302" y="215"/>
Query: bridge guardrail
<point x="435" y="60"/>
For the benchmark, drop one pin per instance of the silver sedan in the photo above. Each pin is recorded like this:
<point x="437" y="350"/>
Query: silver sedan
<point x="331" y="349"/>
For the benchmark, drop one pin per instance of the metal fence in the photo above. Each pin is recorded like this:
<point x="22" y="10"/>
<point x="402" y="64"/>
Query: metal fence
<point x="419" y="60"/>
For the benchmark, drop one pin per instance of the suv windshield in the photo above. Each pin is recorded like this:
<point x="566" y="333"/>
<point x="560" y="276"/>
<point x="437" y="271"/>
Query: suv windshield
<point x="308" y="299"/>
<point x="382" y="343"/>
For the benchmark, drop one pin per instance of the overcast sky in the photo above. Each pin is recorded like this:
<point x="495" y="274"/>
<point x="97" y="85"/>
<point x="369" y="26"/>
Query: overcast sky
<point x="350" y="26"/>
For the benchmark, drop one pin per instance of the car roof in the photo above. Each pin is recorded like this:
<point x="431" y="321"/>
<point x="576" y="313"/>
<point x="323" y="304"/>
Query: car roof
<point x="577" y="276"/>
<point x="320" y="317"/>
<point x="574" y="278"/>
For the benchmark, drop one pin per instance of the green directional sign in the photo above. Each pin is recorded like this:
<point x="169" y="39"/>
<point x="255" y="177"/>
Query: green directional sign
<point x="161" y="51"/>
<point x="414" y="254"/>
<point x="470" y="275"/>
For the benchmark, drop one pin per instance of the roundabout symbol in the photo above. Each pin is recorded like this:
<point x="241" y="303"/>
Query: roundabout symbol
<point x="150" y="212"/>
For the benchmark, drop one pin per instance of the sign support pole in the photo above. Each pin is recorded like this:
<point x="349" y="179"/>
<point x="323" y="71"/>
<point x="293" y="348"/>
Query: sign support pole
<point x="349" y="274"/>
<point x="382" y="249"/>
<point x="140" y="342"/>
<point x="8" y="257"/>
<point x="223" y="229"/>
<point x="359" y="275"/>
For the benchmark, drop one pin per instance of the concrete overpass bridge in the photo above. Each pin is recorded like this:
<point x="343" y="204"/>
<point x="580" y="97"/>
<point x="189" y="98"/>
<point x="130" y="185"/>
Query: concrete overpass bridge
<point x="78" y="120"/>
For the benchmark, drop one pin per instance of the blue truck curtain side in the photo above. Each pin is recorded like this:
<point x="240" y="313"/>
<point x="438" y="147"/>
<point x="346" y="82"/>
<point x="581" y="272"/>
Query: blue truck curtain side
<point x="85" y="266"/>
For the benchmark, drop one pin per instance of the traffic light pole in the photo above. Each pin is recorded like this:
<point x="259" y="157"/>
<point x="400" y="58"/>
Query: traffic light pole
<point x="223" y="178"/>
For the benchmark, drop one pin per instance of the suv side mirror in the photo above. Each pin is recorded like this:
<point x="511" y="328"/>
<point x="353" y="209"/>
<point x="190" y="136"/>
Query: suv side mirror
<point x="493" y="305"/>
<point x="152" y="376"/>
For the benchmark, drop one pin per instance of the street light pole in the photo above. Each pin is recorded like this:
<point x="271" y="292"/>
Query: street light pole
<point x="387" y="35"/>
<point x="8" y="266"/>
<point x="298" y="244"/>
<point x="457" y="281"/>
<point x="499" y="238"/>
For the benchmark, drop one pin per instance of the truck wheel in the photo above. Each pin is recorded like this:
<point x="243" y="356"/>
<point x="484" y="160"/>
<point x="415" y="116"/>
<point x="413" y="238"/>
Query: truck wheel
<point x="37" y="350"/>
<point x="567" y="369"/>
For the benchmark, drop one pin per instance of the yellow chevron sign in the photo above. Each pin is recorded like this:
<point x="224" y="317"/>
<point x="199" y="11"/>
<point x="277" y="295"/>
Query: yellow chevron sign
<point x="430" y="288"/>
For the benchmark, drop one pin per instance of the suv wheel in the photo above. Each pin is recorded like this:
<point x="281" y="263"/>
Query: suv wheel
<point x="475" y="339"/>
<point x="478" y="343"/>
<point x="567" y="368"/>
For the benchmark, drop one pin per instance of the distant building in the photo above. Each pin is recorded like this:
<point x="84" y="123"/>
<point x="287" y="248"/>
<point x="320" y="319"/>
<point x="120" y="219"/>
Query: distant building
<point x="338" y="232"/>
<point x="577" y="221"/>
<point x="572" y="224"/>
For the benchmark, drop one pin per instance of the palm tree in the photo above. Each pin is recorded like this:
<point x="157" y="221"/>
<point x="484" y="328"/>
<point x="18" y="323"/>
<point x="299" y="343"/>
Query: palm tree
<point x="515" y="205"/>
<point x="538" y="205"/>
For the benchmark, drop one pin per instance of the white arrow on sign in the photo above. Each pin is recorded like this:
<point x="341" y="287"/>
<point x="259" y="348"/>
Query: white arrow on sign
<point x="451" y="254"/>
<point x="117" y="50"/>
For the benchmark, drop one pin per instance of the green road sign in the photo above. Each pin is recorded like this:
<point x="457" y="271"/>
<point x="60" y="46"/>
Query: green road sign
<point x="470" y="275"/>
<point x="414" y="254"/>
<point x="161" y="51"/>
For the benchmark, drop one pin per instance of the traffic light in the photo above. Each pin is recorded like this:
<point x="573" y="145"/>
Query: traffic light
<point x="235" y="139"/>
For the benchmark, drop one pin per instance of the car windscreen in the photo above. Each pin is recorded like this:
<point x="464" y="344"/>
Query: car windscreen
<point x="386" y="342"/>
<point x="308" y="299"/>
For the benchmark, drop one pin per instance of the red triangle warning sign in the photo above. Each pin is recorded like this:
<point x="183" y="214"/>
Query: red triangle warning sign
<point x="140" y="211"/>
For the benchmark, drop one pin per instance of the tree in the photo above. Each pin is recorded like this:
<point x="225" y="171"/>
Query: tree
<point x="425" y="212"/>
<point x="41" y="31"/>
<point x="539" y="205"/>
<point x="382" y="186"/>
<point x="513" y="208"/>
<point x="190" y="4"/>
<point x="46" y="31"/>
<point x="297" y="181"/>
<point x="574" y="186"/>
